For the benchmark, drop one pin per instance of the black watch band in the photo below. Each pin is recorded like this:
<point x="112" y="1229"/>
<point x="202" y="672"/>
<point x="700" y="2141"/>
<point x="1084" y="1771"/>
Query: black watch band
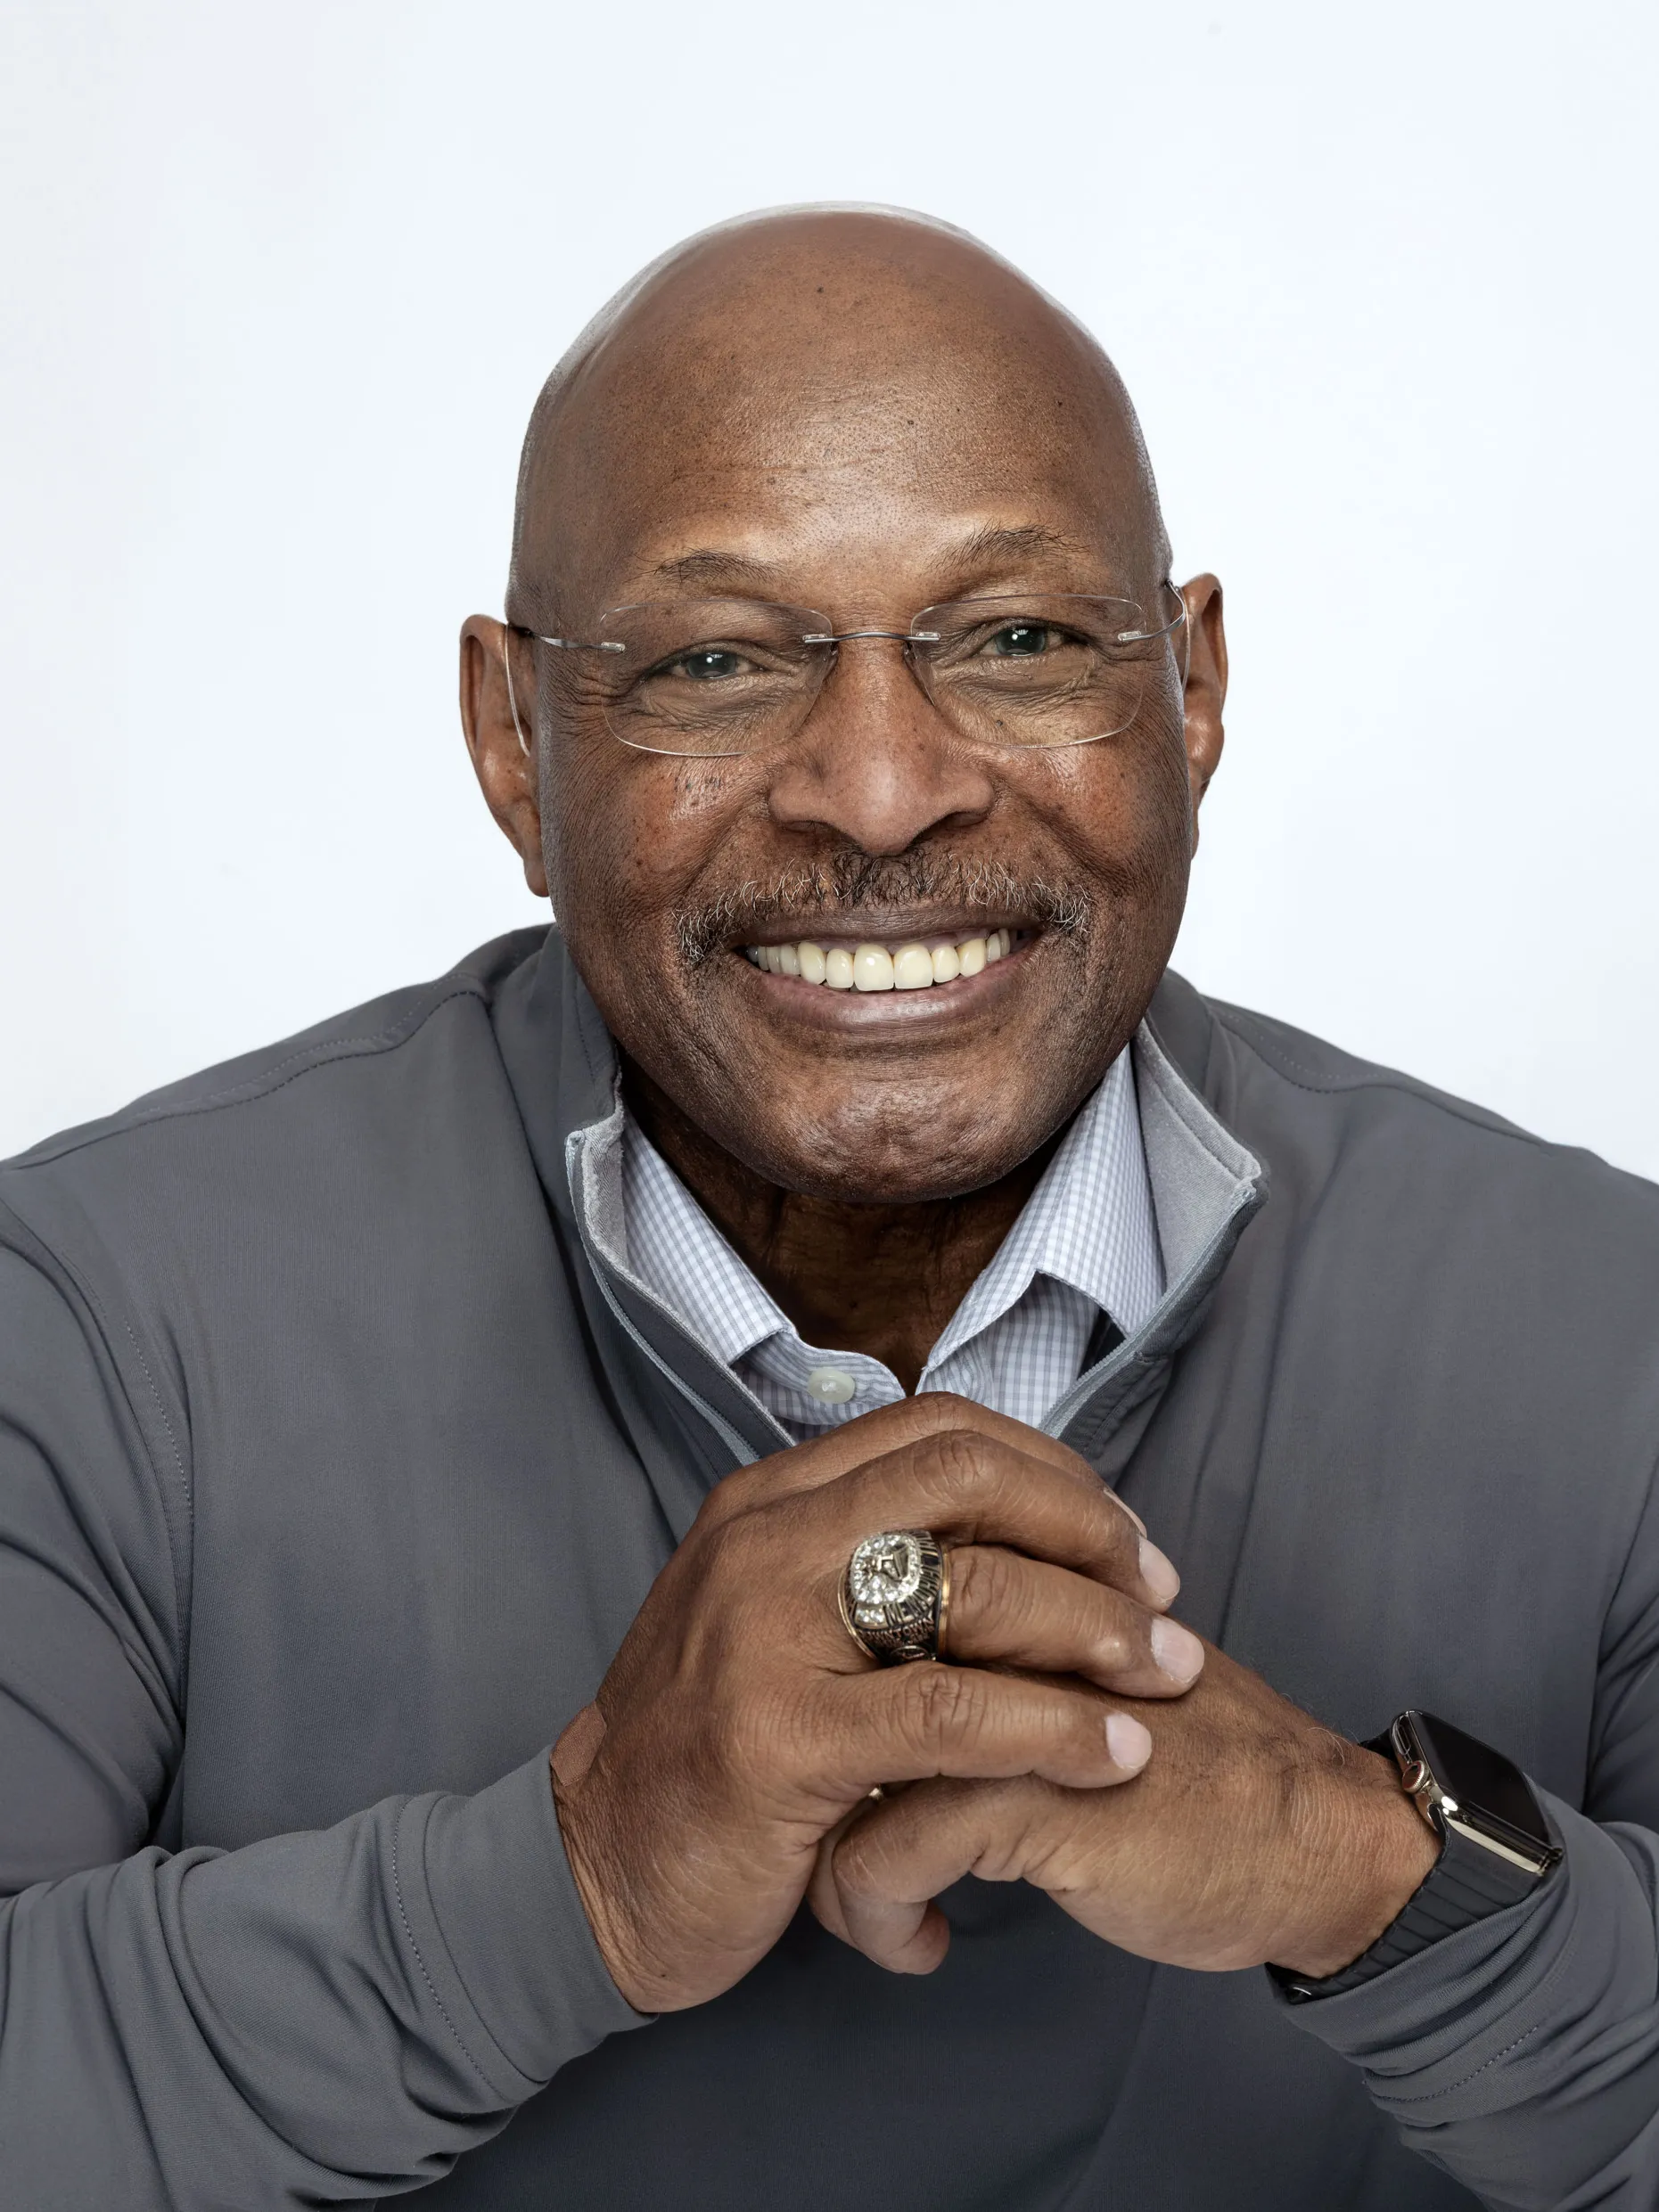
<point x="1468" y="1882"/>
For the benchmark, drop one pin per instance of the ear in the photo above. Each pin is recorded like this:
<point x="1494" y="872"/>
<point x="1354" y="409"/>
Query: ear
<point x="1205" y="688"/>
<point x="499" y="718"/>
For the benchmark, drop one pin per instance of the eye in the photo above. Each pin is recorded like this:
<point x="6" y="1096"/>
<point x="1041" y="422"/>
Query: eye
<point x="1019" y="641"/>
<point x="708" y="663"/>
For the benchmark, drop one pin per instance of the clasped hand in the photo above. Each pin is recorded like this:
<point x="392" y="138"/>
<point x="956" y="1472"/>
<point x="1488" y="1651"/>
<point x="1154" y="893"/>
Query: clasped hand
<point x="1075" y="1738"/>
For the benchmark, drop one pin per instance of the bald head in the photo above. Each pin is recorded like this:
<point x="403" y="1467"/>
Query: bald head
<point x="822" y="354"/>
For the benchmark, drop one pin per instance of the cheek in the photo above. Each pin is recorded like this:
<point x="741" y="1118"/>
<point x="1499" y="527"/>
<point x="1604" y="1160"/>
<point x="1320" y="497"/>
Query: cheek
<point x="1122" y="811"/>
<point x="626" y="834"/>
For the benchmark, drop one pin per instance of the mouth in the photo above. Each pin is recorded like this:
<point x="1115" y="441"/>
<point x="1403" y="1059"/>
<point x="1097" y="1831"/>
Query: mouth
<point x="927" y="962"/>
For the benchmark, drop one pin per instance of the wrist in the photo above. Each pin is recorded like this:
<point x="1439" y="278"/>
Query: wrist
<point x="1368" y="1850"/>
<point x="568" y="1766"/>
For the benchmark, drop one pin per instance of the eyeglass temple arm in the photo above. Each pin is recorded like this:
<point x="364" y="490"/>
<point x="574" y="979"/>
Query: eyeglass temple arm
<point x="566" y="645"/>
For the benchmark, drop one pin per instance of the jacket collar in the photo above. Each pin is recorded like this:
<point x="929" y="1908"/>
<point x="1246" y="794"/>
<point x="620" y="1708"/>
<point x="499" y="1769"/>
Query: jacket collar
<point x="564" y="1068"/>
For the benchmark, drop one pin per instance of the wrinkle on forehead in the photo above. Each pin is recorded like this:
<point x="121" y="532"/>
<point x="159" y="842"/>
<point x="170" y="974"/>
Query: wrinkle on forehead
<point x="778" y="355"/>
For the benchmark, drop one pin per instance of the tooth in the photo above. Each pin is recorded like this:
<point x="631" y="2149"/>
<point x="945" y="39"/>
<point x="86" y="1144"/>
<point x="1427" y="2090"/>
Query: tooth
<point x="913" y="968"/>
<point x="788" y="959"/>
<point x="811" y="958"/>
<point x="993" y="946"/>
<point x="947" y="966"/>
<point x="971" y="952"/>
<point x="838" y="969"/>
<point x="752" y="954"/>
<point x="872" y="967"/>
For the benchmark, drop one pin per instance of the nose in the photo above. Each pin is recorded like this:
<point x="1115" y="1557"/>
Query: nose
<point x="875" y="762"/>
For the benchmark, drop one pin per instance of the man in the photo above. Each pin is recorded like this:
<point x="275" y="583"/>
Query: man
<point x="768" y="1340"/>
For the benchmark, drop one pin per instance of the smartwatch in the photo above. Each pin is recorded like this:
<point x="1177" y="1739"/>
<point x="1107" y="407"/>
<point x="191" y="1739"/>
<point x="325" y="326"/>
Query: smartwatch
<point x="1495" y="1846"/>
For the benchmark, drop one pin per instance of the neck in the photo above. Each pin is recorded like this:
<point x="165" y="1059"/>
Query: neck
<point x="884" y="1280"/>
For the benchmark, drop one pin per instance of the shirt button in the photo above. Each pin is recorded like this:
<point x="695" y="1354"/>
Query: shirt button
<point x="832" y="1386"/>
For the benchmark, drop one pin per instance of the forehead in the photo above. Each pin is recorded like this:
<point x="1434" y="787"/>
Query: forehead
<point x="843" y="423"/>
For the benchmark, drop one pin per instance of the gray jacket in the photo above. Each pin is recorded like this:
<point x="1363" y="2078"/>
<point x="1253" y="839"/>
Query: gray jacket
<point x="338" y="1449"/>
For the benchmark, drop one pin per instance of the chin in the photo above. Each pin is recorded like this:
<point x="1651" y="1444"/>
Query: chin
<point x="856" y="1159"/>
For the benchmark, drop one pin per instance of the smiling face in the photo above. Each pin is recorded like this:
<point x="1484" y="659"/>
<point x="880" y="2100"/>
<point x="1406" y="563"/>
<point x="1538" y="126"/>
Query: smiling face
<point x="860" y="418"/>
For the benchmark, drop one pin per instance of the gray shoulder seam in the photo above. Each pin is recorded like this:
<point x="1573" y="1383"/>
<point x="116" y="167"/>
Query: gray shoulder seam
<point x="1602" y="1714"/>
<point x="30" y="1246"/>
<point x="262" y="1086"/>
<point x="1234" y="1019"/>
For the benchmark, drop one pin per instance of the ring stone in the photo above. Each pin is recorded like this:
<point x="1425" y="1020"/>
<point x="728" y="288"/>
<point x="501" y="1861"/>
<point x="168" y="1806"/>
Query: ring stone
<point x="894" y="1593"/>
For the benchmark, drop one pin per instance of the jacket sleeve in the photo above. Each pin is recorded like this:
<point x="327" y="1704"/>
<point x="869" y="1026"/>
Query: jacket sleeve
<point x="318" y="2018"/>
<point x="1522" y="2054"/>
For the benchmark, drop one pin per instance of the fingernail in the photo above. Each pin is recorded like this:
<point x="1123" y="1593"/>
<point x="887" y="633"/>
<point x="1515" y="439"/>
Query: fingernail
<point x="1130" y="1510"/>
<point x="1157" y="1572"/>
<point x="1177" y="1652"/>
<point x="1128" y="1741"/>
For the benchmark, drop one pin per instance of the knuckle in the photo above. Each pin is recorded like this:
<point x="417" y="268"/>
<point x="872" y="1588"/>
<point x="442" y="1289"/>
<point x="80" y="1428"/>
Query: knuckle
<point x="953" y="1467"/>
<point x="983" y="1583"/>
<point x="948" y="1704"/>
<point x="933" y="1411"/>
<point x="739" y="1536"/>
<point x="1116" y="1648"/>
<point x="856" y="1859"/>
<point x="729" y="1497"/>
<point x="745" y="1552"/>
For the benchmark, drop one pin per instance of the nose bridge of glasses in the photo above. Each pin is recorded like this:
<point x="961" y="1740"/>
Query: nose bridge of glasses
<point x="827" y="644"/>
<point x="912" y="636"/>
<point x="830" y="642"/>
<point x="825" y="662"/>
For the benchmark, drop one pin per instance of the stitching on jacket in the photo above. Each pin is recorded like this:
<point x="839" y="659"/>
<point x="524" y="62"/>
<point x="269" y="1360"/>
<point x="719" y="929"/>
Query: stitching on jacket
<point x="396" y="1033"/>
<point x="183" y="1596"/>
<point x="1374" y="1079"/>
<point x="397" y="1886"/>
<point x="172" y="1437"/>
<point x="1432" y="2096"/>
<point x="1429" y="2097"/>
<point x="1602" y="1717"/>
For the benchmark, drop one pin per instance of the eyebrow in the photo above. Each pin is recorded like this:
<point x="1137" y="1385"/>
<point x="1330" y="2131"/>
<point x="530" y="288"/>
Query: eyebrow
<point x="1034" y="538"/>
<point x="706" y="564"/>
<point x="709" y="564"/>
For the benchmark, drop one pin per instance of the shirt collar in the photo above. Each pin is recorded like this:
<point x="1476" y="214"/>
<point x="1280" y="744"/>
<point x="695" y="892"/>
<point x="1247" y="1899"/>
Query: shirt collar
<point x="676" y="1251"/>
<point x="1089" y="1222"/>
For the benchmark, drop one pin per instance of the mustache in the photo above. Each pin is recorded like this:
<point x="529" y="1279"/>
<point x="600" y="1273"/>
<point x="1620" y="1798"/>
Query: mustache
<point x="838" y="887"/>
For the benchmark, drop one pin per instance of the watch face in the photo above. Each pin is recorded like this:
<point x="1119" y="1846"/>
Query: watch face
<point x="1479" y="1777"/>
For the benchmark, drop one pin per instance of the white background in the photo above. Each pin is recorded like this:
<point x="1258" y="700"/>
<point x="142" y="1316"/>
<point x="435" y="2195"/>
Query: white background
<point x="281" y="282"/>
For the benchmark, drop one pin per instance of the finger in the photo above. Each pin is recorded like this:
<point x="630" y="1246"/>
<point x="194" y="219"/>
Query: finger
<point x="1023" y="1612"/>
<point x="821" y="1892"/>
<point x="971" y="1488"/>
<point x="889" y="1862"/>
<point x="889" y="1428"/>
<point x="904" y="1723"/>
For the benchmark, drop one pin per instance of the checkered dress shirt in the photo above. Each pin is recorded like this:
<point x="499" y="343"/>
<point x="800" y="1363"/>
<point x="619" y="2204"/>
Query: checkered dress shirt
<point x="1086" y="1244"/>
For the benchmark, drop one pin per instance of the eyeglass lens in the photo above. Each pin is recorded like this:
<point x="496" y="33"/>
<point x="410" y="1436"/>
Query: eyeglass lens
<point x="716" y="677"/>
